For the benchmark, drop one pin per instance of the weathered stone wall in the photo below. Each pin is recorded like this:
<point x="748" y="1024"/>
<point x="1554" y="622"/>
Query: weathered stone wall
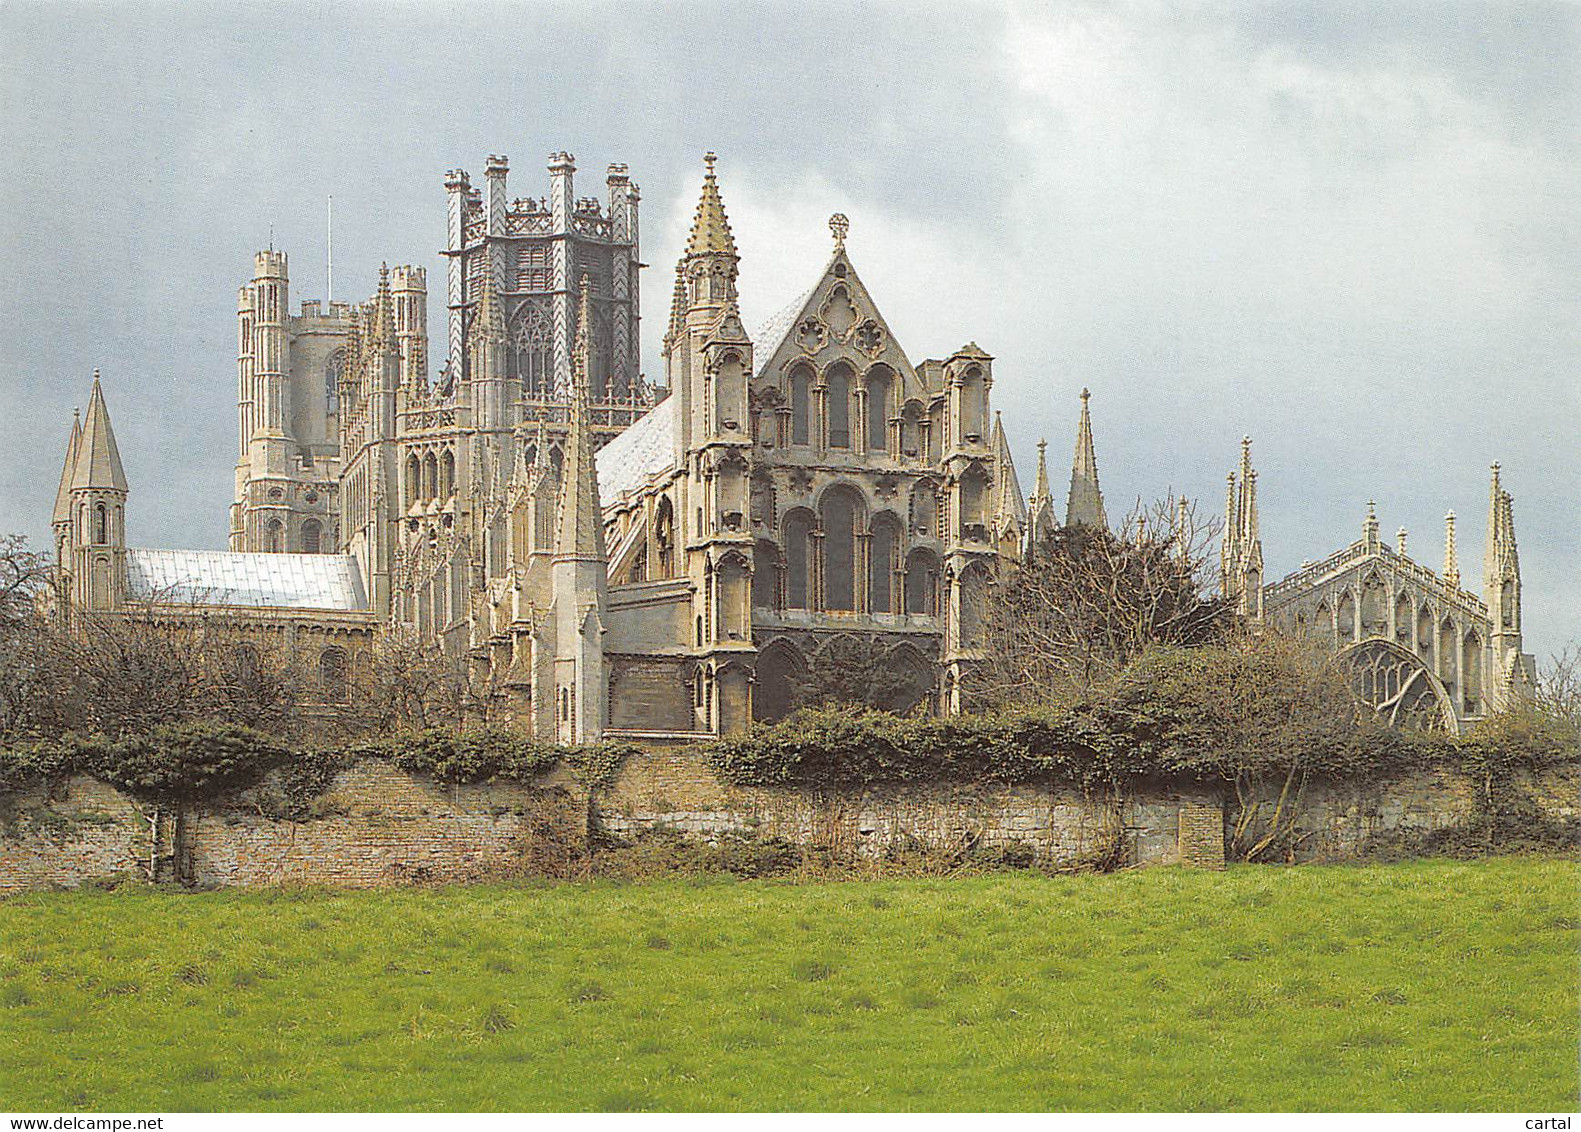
<point x="376" y="825"/>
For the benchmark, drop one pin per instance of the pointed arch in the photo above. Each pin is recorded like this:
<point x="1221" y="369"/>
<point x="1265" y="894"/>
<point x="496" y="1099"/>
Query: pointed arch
<point x="837" y="382"/>
<point x="799" y="393"/>
<point x="766" y="567"/>
<point x="798" y="527"/>
<point x="312" y="537"/>
<point x="922" y="582"/>
<point x="883" y="563"/>
<point x="840" y="517"/>
<point x="781" y="670"/>
<point x="1397" y="686"/>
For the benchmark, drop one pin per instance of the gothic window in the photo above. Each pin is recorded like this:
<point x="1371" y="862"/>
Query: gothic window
<point x="798" y="560"/>
<point x="935" y="432"/>
<point x="414" y="480"/>
<point x="839" y="382"/>
<point x="883" y="552"/>
<point x="1395" y="685"/>
<point x="274" y="536"/>
<point x="312" y="536"/>
<point x="913" y="680"/>
<point x="430" y="476"/>
<point x="664" y="538"/>
<point x="1374" y="619"/>
<point x="730" y="394"/>
<point x="911" y="430"/>
<point x="878" y="386"/>
<point x="332" y="675"/>
<point x="1424" y="634"/>
<point x="1471" y="673"/>
<point x="1404" y="619"/>
<point x="839" y="514"/>
<point x="974" y="405"/>
<point x="334" y="368"/>
<point x="532" y="342"/>
<point x="925" y="510"/>
<point x="974" y="503"/>
<point x="1347" y="617"/>
<point x="447" y="475"/>
<point x="765" y="575"/>
<point x="101" y="525"/>
<point x="800" y="400"/>
<point x="922" y="582"/>
<point x="1447" y="653"/>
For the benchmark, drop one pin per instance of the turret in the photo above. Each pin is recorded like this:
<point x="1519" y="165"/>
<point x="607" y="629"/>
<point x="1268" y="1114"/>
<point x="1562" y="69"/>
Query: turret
<point x="1451" y="555"/>
<point x="580" y="569"/>
<point x="1084" y="504"/>
<point x="705" y="286"/>
<point x="1241" y="550"/>
<point x="409" y="292"/>
<point x="1042" y="520"/>
<point x="624" y="290"/>
<point x="487" y="361"/>
<point x="62" y="521"/>
<point x="97" y="502"/>
<point x="457" y="192"/>
<point x="1501" y="588"/>
<point x="562" y="183"/>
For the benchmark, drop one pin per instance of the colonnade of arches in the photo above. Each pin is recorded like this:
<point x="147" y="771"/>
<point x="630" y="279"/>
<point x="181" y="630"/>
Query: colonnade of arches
<point x="1448" y="647"/>
<point x="840" y="408"/>
<point x="429" y="477"/>
<point x="841" y="558"/>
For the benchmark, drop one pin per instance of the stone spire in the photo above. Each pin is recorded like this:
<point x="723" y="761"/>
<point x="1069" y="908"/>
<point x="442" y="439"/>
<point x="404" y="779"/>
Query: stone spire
<point x="491" y="322"/>
<point x="710" y="233"/>
<point x="1241" y="550"/>
<point x="98" y="462"/>
<point x="1399" y="542"/>
<point x="1085" y="503"/>
<point x="382" y="332"/>
<point x="1042" y="519"/>
<point x="1501" y="580"/>
<point x="63" y="494"/>
<point x="1451" y="556"/>
<point x="1040" y="487"/>
<point x="1369" y="528"/>
<point x="579" y="533"/>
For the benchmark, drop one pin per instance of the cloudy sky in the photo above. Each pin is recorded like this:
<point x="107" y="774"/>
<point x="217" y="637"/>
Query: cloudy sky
<point x="1350" y="230"/>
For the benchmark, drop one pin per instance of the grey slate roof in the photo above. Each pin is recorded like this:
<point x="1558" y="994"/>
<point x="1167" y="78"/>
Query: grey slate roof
<point x="644" y="449"/>
<point x="260" y="581"/>
<point x="771" y="335"/>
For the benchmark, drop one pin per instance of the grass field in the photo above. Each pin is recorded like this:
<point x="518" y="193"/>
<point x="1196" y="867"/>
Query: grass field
<point x="1433" y="985"/>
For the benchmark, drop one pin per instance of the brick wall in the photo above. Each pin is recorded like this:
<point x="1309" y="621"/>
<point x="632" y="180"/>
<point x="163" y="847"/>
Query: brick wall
<point x="377" y="825"/>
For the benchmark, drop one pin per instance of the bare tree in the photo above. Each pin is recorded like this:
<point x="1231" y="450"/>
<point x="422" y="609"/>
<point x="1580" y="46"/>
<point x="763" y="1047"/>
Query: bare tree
<point x="23" y="574"/>
<point x="1088" y="601"/>
<point x="1559" y="685"/>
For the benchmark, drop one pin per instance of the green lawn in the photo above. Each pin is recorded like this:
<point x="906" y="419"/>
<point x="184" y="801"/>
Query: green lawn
<point x="1434" y="985"/>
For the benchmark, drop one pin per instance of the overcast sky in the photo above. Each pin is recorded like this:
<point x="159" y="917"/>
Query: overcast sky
<point x="1352" y="231"/>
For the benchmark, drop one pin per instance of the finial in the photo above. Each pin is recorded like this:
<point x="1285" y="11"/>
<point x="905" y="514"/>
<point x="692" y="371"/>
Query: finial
<point x="840" y="226"/>
<point x="1399" y="542"/>
<point x="708" y="159"/>
<point x="1042" y="445"/>
<point x="1086" y="394"/>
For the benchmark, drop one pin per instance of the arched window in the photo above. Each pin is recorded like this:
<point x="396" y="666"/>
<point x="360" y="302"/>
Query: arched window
<point x="974" y="502"/>
<point x="312" y="536"/>
<point x="922" y="582"/>
<point x="101" y="524"/>
<point x="882" y="561"/>
<point x="798" y="560"/>
<point x="974" y="405"/>
<point x="430" y="476"/>
<point x="447" y="474"/>
<point x="878" y="386"/>
<point x="800" y="402"/>
<point x="1404" y="619"/>
<point x="911" y="430"/>
<point x="1471" y="673"/>
<point x="664" y="539"/>
<point x="532" y="344"/>
<point x="730" y="394"/>
<point x="1424" y="635"/>
<point x="765" y="575"/>
<point x="839" y="514"/>
<point x="274" y="536"/>
<point x="334" y="368"/>
<point x="332" y="675"/>
<point x="414" y="480"/>
<point x="1347" y="616"/>
<point x="925" y="510"/>
<point x="839" y="382"/>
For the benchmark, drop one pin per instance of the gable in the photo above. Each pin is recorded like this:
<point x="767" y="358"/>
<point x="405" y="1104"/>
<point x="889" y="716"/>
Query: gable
<point x="836" y="319"/>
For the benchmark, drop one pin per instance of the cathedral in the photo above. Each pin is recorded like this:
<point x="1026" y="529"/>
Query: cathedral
<point x="612" y="558"/>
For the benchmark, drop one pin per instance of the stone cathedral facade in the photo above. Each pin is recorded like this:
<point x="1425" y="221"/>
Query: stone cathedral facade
<point x="616" y="558"/>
